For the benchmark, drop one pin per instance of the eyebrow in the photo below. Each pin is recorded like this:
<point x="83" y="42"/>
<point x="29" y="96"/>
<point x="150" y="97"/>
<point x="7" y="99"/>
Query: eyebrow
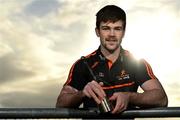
<point x="105" y="26"/>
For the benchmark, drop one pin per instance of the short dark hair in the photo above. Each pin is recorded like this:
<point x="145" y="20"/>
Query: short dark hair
<point x="110" y="13"/>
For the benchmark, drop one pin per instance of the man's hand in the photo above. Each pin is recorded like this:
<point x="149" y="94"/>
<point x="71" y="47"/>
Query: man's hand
<point x="95" y="91"/>
<point x="122" y="100"/>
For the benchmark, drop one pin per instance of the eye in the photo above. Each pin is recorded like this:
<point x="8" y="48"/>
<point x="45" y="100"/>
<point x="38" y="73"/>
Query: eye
<point x="119" y="28"/>
<point x="105" y="28"/>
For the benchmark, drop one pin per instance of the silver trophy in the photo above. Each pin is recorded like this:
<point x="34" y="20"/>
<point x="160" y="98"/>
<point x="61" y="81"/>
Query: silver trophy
<point x="105" y="106"/>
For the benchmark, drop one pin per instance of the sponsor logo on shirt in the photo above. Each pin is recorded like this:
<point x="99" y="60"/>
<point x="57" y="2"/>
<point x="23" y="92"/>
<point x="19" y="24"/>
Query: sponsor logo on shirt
<point x="101" y="74"/>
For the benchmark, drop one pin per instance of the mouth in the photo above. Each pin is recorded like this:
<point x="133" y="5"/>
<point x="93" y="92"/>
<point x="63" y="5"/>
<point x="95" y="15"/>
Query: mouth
<point x="111" y="40"/>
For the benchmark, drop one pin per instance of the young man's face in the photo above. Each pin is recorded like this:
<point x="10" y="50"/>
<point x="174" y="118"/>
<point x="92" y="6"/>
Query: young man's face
<point x="110" y="34"/>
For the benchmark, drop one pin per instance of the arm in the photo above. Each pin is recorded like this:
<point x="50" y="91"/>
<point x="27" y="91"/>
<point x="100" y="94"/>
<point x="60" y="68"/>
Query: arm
<point x="153" y="96"/>
<point x="69" y="97"/>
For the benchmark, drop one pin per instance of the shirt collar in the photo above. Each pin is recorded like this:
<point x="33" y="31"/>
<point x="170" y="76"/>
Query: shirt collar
<point x="103" y="58"/>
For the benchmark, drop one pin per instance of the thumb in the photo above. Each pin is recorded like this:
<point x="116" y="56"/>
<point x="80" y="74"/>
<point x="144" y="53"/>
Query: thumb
<point x="113" y="97"/>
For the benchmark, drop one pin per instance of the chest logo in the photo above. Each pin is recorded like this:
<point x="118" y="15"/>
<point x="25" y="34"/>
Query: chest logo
<point x="123" y="75"/>
<point x="101" y="74"/>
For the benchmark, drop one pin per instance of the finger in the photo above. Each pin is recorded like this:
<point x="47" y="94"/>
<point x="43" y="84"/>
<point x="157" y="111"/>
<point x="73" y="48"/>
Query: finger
<point x="98" y="93"/>
<point x="86" y="93"/>
<point x="93" y="95"/>
<point x="101" y="84"/>
<point x="86" y="90"/>
<point x="116" y="108"/>
<point x="118" y="105"/>
<point x="98" y="89"/>
<point x="89" y="92"/>
<point x="119" y="108"/>
<point x="113" y="97"/>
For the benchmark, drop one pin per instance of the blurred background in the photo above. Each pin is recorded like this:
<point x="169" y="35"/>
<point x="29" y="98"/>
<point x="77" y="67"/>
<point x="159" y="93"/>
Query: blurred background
<point x="41" y="39"/>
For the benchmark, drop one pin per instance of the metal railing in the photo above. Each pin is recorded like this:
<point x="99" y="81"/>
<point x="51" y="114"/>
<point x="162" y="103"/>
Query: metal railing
<point x="81" y="113"/>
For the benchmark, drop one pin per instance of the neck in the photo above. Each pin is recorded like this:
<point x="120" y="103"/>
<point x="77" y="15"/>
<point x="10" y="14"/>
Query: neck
<point x="112" y="56"/>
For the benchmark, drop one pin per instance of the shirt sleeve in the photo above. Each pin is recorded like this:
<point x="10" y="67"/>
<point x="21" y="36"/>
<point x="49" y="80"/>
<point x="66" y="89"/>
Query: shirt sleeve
<point x="144" y="72"/>
<point x="77" y="77"/>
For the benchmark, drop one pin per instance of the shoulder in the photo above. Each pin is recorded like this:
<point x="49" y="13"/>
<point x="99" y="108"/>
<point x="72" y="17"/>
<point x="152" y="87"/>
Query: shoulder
<point x="93" y="54"/>
<point x="128" y="54"/>
<point x="129" y="57"/>
<point x="90" y="57"/>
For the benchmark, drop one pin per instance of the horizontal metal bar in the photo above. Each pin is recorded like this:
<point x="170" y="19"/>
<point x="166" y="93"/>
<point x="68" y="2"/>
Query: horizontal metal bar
<point x="82" y="113"/>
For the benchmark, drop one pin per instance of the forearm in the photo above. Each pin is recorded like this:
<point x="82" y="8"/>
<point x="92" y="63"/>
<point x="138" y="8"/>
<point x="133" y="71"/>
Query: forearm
<point x="69" y="98"/>
<point x="151" y="98"/>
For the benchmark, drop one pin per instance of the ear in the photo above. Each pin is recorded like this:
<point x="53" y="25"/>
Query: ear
<point x="97" y="31"/>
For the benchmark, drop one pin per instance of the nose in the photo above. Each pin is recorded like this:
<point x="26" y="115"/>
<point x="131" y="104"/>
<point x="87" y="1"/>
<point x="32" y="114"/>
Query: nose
<point x="112" y="32"/>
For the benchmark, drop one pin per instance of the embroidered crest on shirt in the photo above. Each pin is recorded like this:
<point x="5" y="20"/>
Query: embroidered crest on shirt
<point x="123" y="75"/>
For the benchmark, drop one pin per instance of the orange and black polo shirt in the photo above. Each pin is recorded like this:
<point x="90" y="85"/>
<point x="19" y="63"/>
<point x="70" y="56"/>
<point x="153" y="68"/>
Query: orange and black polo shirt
<point x="124" y="75"/>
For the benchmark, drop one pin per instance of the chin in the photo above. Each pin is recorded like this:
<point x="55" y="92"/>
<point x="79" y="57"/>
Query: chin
<point x="111" y="50"/>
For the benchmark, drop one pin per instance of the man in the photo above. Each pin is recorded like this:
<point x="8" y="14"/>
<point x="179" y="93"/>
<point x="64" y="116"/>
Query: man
<point x="117" y="75"/>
